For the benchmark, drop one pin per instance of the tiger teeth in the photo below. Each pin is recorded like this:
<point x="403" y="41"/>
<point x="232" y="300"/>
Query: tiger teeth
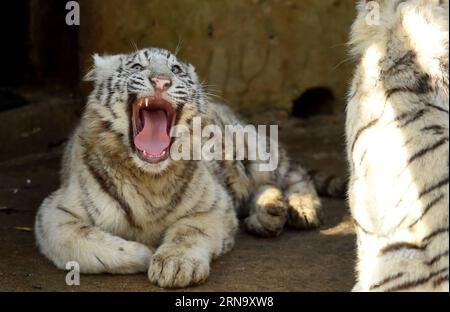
<point x="146" y="102"/>
<point x="154" y="156"/>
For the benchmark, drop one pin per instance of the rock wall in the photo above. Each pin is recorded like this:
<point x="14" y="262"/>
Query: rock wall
<point x="255" y="54"/>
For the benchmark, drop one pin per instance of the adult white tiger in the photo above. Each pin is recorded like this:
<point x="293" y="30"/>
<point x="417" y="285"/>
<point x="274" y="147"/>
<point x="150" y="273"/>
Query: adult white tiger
<point x="398" y="143"/>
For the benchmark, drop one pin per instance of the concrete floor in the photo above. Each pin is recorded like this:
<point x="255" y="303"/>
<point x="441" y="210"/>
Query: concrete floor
<point x="320" y="260"/>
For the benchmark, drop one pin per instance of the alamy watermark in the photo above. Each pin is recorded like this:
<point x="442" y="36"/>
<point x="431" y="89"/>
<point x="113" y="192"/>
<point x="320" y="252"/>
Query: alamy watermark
<point x="73" y="277"/>
<point x="373" y="13"/>
<point x="239" y="142"/>
<point x="73" y="16"/>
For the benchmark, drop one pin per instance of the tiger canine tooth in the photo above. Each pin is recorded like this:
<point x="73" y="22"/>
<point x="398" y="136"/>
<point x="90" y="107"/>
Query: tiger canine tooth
<point x="146" y="102"/>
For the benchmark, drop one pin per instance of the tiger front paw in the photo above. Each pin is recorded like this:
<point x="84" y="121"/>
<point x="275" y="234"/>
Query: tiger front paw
<point x="174" y="270"/>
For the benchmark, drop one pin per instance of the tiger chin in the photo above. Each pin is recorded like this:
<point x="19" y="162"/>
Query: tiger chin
<point x="124" y="206"/>
<point x="397" y="132"/>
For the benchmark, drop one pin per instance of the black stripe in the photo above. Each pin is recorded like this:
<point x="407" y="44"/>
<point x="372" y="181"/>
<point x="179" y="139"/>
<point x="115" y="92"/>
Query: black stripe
<point x="117" y="84"/>
<point x="408" y="141"/>
<point x="86" y="197"/>
<point x="100" y="91"/>
<point x="147" y="204"/>
<point x="140" y="78"/>
<point x="406" y="245"/>
<point x="433" y="187"/>
<point x="181" y="100"/>
<point x="421" y="86"/>
<point x="363" y="156"/>
<point x="437" y="258"/>
<point x="107" y="125"/>
<point x="434" y="234"/>
<point x="427" y="208"/>
<point x="73" y="214"/>
<point x="102" y="263"/>
<point x="426" y="150"/>
<point x="440" y="280"/>
<point x="180" y="189"/>
<point x="109" y="95"/>
<point x="436" y="128"/>
<point x="402" y="116"/>
<point x="387" y="280"/>
<point x="179" y="112"/>
<point x="197" y="230"/>
<point x="109" y="188"/>
<point x="108" y="91"/>
<point x="361" y="130"/>
<point x="173" y="206"/>
<point x="436" y="107"/>
<point x="417" y="282"/>
<point x="399" y="246"/>
<point x="88" y="212"/>
<point x="358" y="225"/>
<point x="415" y="117"/>
<point x="138" y="83"/>
<point x="407" y="59"/>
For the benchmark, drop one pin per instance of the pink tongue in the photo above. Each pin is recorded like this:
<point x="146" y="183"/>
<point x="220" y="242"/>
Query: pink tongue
<point x="153" y="138"/>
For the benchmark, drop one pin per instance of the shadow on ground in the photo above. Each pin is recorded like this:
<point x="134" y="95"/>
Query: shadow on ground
<point x="320" y="260"/>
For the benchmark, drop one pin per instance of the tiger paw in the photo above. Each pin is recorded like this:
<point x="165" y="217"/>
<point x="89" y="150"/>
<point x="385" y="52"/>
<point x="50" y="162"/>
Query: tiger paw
<point x="269" y="214"/>
<point x="174" y="270"/>
<point x="304" y="211"/>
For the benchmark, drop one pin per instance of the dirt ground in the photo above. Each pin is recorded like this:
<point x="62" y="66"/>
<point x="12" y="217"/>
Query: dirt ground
<point x="320" y="260"/>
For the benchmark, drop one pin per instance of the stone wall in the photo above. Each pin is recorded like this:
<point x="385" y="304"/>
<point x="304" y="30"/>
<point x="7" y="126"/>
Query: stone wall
<point x="255" y="54"/>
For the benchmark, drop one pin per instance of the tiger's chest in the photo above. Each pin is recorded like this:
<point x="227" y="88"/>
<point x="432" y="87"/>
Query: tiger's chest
<point x="137" y="213"/>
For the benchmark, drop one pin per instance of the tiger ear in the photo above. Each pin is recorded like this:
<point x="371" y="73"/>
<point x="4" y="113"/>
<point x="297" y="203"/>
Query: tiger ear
<point x="104" y="67"/>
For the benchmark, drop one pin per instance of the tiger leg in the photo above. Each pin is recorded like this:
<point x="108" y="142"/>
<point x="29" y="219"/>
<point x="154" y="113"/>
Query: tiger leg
<point x="64" y="233"/>
<point x="304" y="206"/>
<point x="191" y="243"/>
<point x="268" y="212"/>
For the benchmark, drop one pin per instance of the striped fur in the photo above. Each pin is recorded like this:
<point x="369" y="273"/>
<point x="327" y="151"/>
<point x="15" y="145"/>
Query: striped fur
<point x="397" y="144"/>
<point x="116" y="213"/>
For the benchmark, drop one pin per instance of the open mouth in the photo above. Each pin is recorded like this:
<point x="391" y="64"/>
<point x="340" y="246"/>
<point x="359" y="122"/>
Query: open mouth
<point x="152" y="118"/>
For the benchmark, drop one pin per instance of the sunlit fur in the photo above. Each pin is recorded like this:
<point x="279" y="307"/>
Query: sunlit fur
<point x="397" y="145"/>
<point x="116" y="213"/>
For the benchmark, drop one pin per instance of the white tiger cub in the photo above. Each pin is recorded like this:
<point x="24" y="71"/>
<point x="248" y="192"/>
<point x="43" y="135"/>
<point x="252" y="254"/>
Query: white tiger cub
<point x="125" y="206"/>
<point x="398" y="143"/>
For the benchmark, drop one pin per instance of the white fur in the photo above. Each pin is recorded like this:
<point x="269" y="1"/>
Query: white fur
<point x="385" y="191"/>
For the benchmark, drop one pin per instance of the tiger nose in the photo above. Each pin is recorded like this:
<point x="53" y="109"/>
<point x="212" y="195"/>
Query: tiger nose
<point x="161" y="83"/>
